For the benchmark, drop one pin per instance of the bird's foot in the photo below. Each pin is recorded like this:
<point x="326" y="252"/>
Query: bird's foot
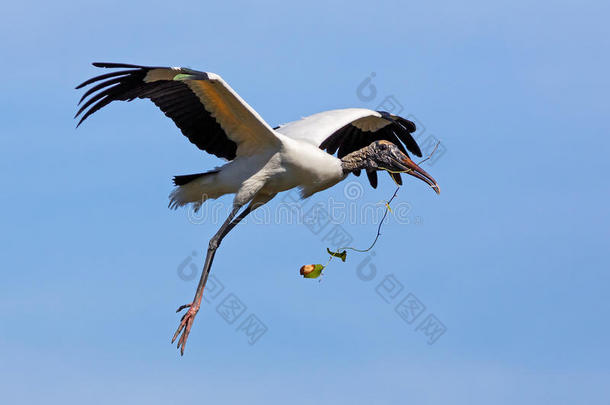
<point x="185" y="325"/>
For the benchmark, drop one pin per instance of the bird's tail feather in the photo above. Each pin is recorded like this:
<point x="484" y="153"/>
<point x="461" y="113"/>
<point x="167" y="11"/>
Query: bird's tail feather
<point x="195" y="189"/>
<point x="187" y="178"/>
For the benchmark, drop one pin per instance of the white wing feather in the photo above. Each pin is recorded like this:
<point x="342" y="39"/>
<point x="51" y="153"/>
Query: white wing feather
<point x="315" y="128"/>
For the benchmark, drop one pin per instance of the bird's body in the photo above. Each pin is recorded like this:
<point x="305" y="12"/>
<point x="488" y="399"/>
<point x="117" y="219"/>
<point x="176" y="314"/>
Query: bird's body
<point x="289" y="164"/>
<point x="263" y="161"/>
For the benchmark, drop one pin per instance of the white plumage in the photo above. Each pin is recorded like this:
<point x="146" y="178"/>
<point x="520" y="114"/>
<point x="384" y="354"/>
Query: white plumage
<point x="276" y="167"/>
<point x="262" y="161"/>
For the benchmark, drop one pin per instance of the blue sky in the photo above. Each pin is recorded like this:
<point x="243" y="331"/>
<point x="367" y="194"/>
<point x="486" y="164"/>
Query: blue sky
<point x="510" y="257"/>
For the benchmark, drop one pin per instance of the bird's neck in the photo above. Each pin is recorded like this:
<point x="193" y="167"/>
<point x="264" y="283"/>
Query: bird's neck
<point x="358" y="160"/>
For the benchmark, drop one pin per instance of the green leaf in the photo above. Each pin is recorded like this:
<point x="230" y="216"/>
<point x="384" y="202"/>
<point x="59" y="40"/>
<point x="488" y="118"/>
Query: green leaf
<point x="340" y="255"/>
<point x="182" y="76"/>
<point x="312" y="270"/>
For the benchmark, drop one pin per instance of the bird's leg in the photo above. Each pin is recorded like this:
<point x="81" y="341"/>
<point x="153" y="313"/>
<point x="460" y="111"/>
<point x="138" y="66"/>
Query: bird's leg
<point x="187" y="319"/>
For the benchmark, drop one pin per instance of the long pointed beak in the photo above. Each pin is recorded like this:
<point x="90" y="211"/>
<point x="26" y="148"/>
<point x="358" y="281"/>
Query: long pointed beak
<point x="414" y="170"/>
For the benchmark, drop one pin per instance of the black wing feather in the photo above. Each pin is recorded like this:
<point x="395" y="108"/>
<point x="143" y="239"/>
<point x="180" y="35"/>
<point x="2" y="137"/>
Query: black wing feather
<point x="372" y="175"/>
<point x="174" y="98"/>
<point x="349" y="139"/>
<point x="104" y="76"/>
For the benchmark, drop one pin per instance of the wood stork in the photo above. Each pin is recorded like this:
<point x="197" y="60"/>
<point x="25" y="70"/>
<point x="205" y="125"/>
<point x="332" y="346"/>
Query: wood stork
<point x="262" y="161"/>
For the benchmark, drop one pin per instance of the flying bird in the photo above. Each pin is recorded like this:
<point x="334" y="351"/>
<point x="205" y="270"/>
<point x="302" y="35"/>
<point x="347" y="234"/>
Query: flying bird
<point x="312" y="154"/>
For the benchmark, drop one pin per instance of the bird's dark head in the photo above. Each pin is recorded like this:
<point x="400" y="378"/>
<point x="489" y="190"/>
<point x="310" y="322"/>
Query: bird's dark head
<point x="387" y="156"/>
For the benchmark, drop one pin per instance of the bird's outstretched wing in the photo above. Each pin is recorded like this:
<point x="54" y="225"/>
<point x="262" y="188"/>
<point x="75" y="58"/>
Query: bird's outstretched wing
<point x="347" y="130"/>
<point x="205" y="108"/>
